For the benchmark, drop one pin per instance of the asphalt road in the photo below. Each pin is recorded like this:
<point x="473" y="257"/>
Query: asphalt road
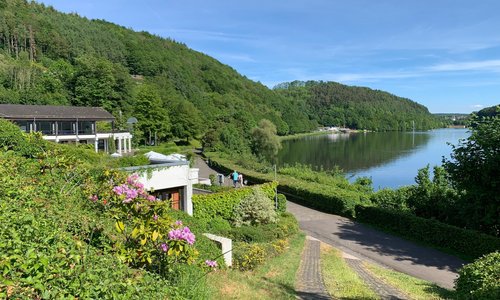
<point x="379" y="247"/>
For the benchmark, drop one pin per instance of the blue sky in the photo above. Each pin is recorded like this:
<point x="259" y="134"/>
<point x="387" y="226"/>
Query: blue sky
<point x="444" y="54"/>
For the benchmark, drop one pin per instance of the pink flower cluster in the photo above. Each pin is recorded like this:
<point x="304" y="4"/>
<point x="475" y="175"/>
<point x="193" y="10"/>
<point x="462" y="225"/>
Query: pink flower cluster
<point x="211" y="263"/>
<point x="182" y="234"/>
<point x="164" y="247"/>
<point x="132" y="190"/>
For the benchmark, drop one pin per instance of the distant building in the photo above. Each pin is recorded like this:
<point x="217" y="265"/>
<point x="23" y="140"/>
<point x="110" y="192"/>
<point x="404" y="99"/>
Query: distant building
<point x="63" y="124"/>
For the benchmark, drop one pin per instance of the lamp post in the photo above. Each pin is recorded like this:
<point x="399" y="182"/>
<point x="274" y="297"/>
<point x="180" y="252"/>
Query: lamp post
<point x="276" y="190"/>
<point x="131" y="121"/>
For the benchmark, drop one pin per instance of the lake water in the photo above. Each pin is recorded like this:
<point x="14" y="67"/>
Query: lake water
<point x="391" y="159"/>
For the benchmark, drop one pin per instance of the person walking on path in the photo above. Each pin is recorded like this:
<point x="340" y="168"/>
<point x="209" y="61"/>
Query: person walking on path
<point x="234" y="177"/>
<point x="240" y="179"/>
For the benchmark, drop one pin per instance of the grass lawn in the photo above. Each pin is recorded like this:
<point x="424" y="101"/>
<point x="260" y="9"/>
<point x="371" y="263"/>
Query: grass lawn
<point x="275" y="279"/>
<point x="340" y="281"/>
<point x="413" y="287"/>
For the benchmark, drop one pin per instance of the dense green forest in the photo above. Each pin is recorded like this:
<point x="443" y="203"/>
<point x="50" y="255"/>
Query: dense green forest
<point x="335" y="104"/>
<point x="47" y="57"/>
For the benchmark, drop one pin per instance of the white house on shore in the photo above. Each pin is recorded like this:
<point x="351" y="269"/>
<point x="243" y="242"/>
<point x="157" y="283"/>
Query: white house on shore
<point x="169" y="181"/>
<point x="67" y="124"/>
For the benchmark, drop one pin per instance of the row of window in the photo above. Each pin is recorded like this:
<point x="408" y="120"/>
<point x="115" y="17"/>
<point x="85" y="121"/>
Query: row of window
<point x="58" y="127"/>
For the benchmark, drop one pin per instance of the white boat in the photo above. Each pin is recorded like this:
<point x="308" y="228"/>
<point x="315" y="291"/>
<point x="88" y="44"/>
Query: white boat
<point x="158" y="158"/>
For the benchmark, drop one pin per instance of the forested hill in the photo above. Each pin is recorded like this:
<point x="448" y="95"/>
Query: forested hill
<point x="47" y="57"/>
<point x="335" y="104"/>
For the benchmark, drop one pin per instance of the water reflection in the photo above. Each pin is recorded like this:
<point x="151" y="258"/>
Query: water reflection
<point x="351" y="152"/>
<point x="390" y="158"/>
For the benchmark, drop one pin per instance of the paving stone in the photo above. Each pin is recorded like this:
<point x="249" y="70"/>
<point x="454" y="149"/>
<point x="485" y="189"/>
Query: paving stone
<point x="382" y="289"/>
<point x="310" y="283"/>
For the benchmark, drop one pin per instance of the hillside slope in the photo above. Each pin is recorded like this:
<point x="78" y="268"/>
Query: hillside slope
<point x="335" y="104"/>
<point x="47" y="57"/>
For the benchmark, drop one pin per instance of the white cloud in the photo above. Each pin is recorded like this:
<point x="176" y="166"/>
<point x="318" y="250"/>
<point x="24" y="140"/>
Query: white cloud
<point x="478" y="106"/>
<point x="484" y="65"/>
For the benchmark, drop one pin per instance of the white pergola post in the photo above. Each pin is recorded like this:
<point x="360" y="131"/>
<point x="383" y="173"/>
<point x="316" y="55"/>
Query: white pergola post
<point x="119" y="150"/>
<point x="96" y="145"/>
<point x="130" y="144"/>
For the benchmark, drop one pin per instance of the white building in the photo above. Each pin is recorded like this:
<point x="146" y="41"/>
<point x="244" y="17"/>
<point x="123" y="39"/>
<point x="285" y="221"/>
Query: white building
<point x="63" y="124"/>
<point x="169" y="181"/>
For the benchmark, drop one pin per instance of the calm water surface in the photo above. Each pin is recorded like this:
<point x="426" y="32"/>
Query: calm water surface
<point x="391" y="159"/>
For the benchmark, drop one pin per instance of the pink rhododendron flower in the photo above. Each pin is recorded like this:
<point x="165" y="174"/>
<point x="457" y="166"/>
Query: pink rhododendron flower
<point x="93" y="198"/>
<point x="155" y="217"/>
<point x="132" y="178"/>
<point x="178" y="223"/>
<point x="211" y="263"/>
<point x="164" y="247"/>
<point x="182" y="234"/>
<point x="151" y="198"/>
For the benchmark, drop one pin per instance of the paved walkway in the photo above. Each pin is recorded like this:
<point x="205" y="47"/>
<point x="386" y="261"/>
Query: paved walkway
<point x="206" y="171"/>
<point x="375" y="246"/>
<point x="310" y="285"/>
<point x="383" y="290"/>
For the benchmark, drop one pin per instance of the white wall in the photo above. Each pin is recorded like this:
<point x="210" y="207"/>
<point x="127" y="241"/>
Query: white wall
<point x="169" y="176"/>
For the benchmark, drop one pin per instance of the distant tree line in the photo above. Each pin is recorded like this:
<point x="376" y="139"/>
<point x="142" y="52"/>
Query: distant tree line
<point x="47" y="57"/>
<point x="335" y="104"/>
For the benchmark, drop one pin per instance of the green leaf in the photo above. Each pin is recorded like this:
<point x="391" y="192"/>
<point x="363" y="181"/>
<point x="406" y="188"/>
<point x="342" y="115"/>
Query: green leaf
<point x="120" y="227"/>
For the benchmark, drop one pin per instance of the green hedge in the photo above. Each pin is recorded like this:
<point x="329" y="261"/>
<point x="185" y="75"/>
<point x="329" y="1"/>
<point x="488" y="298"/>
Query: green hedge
<point x="330" y="199"/>
<point x="221" y="205"/>
<point x="466" y="242"/>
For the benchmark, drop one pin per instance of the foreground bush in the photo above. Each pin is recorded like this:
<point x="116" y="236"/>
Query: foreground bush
<point x="466" y="242"/>
<point x="480" y="279"/>
<point x="51" y="241"/>
<point x="67" y="227"/>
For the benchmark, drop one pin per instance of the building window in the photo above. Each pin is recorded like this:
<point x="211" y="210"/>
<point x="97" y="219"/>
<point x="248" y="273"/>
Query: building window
<point x="66" y="127"/>
<point x="45" y="127"/>
<point x="86" y="127"/>
<point x="24" y="125"/>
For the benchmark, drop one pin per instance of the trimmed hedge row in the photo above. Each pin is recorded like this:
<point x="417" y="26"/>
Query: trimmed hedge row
<point x="467" y="242"/>
<point x="221" y="205"/>
<point x="330" y="199"/>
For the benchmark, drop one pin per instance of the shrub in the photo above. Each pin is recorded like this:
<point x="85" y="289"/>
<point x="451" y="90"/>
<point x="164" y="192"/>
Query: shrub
<point x="469" y="243"/>
<point x="252" y="234"/>
<point x="11" y="138"/>
<point x="248" y="256"/>
<point x="218" y="225"/>
<point x="254" y="209"/>
<point x="388" y="198"/>
<point x="480" y="279"/>
<point x="280" y="246"/>
<point x="287" y="225"/>
<point x="281" y="203"/>
<point x="212" y="178"/>
<point x="222" y="205"/>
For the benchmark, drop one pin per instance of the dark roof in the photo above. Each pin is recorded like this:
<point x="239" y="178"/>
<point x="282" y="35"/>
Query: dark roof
<point x="51" y="112"/>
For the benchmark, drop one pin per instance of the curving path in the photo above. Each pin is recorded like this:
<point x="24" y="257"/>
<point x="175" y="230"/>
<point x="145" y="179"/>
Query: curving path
<point x="375" y="246"/>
